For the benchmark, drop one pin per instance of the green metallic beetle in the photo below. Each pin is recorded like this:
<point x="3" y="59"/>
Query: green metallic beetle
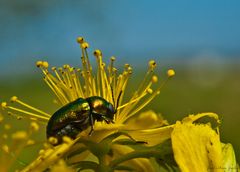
<point x="78" y="115"/>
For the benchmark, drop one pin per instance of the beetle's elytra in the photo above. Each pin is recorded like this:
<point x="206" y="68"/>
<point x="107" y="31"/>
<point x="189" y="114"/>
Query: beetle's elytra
<point x="78" y="115"/>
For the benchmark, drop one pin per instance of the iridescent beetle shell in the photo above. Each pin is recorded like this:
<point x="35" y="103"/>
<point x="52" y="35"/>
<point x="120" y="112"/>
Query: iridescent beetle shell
<point x="78" y="115"/>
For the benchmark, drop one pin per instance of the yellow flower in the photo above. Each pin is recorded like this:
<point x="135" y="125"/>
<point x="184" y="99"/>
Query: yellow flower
<point x="196" y="147"/>
<point x="69" y="83"/>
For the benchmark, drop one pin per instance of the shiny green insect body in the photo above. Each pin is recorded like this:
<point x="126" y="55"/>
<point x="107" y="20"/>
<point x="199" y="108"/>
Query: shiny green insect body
<point x="78" y="115"/>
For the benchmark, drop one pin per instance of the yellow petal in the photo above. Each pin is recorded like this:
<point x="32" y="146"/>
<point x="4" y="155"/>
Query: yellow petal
<point x="196" y="147"/>
<point x="229" y="161"/>
<point x="192" y="118"/>
<point x="152" y="136"/>
<point x="146" y="120"/>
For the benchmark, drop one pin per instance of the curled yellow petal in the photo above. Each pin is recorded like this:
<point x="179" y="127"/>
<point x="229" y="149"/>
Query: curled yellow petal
<point x="192" y="118"/>
<point x="196" y="147"/>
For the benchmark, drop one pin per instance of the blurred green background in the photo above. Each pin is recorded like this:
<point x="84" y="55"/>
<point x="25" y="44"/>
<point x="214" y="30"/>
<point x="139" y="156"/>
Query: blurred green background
<point x="200" y="40"/>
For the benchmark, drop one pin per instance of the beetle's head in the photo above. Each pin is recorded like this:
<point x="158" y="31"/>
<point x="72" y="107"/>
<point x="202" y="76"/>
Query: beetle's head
<point x="110" y="111"/>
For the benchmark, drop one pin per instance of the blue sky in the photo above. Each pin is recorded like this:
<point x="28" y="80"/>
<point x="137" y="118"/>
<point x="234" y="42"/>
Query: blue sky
<point x="127" y="29"/>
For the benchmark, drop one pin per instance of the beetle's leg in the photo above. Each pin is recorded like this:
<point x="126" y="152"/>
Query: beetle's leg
<point x="110" y="121"/>
<point x="107" y="120"/>
<point x="91" y="124"/>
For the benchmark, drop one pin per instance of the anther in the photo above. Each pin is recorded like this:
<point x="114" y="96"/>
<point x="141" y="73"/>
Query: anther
<point x="170" y="73"/>
<point x="80" y="40"/>
<point x="54" y="68"/>
<point x="5" y="148"/>
<point x="4" y="105"/>
<point x="149" y="90"/>
<point x="152" y="64"/>
<point x="34" y="126"/>
<point x="84" y="45"/>
<point x="53" y="140"/>
<point x="13" y="99"/>
<point x="97" y="53"/>
<point x="41" y="152"/>
<point x="113" y="58"/>
<point x="154" y="79"/>
<point x="127" y="65"/>
<point x="45" y="64"/>
<point x="39" y="63"/>
<point x="66" y="66"/>
<point x="129" y="69"/>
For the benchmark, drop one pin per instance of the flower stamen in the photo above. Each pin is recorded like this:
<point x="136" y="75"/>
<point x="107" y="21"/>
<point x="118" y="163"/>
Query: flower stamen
<point x="30" y="114"/>
<point x="15" y="99"/>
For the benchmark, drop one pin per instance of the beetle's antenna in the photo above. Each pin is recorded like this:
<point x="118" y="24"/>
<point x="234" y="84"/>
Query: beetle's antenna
<point x="118" y="99"/>
<point x="113" y="97"/>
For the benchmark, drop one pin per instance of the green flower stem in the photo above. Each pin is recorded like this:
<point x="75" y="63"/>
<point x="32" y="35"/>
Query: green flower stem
<point x="103" y="166"/>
